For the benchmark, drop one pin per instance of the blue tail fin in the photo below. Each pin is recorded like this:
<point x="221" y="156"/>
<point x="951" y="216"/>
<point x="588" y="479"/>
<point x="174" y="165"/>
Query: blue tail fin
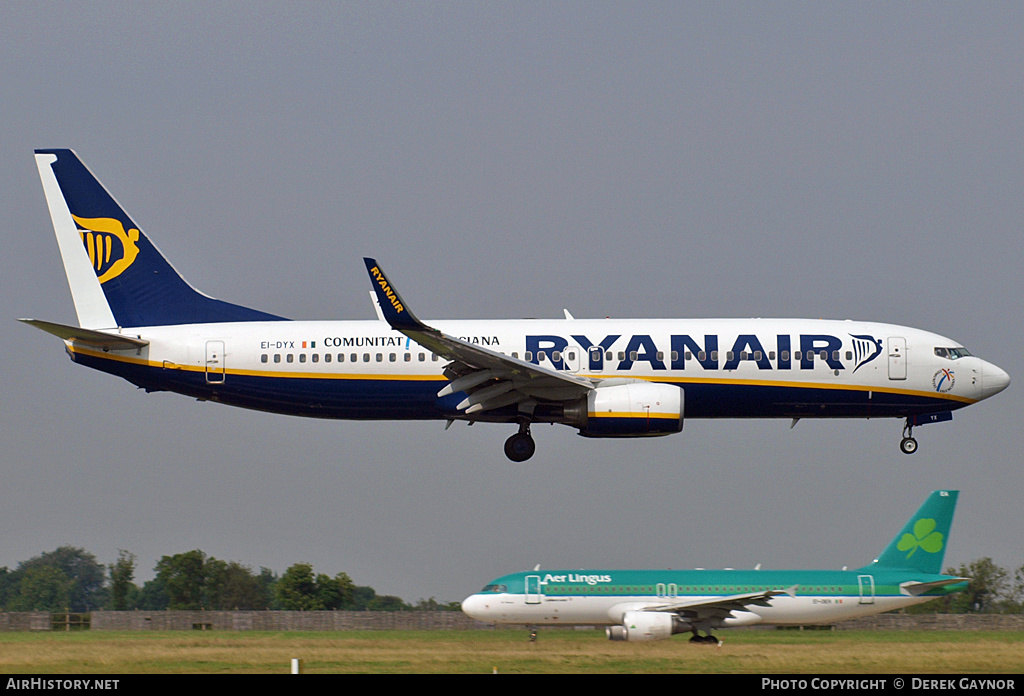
<point x="921" y="544"/>
<point x="117" y="276"/>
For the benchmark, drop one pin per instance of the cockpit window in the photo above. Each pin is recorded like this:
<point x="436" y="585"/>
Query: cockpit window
<point x="952" y="353"/>
<point x="495" y="588"/>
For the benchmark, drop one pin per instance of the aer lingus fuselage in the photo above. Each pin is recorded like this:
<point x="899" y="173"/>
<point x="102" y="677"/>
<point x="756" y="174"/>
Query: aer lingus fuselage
<point x="643" y="605"/>
<point x="140" y="320"/>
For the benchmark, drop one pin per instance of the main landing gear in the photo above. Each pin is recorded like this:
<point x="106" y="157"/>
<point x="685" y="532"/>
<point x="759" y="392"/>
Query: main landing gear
<point x="710" y="639"/>
<point x="908" y="445"/>
<point x="520" y="446"/>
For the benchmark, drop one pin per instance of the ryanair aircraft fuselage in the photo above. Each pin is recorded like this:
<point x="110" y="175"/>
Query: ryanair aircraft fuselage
<point x="608" y="378"/>
<point x="644" y="605"/>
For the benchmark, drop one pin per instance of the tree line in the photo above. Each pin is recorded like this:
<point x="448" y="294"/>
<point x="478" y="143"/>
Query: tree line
<point x="71" y="579"/>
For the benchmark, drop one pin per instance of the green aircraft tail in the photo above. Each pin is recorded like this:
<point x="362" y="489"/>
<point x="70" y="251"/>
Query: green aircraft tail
<point x="921" y="544"/>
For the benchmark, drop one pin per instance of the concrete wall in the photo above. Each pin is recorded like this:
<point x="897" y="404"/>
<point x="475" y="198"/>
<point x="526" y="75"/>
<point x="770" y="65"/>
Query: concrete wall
<point x="419" y="621"/>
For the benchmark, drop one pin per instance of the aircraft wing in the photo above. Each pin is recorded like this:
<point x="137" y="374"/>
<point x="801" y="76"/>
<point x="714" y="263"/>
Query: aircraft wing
<point x="491" y="379"/>
<point x="720" y="607"/>
<point x="100" y="339"/>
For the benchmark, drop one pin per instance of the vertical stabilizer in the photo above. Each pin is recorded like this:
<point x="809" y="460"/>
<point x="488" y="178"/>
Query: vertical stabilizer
<point x="117" y="276"/>
<point x="921" y="544"/>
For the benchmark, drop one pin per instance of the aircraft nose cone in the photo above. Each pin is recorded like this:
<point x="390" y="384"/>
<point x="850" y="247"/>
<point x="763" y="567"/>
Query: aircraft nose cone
<point x="474" y="606"/>
<point x="994" y="380"/>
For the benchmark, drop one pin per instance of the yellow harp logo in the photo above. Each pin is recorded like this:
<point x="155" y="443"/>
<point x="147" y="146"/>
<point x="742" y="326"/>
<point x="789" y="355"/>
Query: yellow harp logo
<point x="111" y="249"/>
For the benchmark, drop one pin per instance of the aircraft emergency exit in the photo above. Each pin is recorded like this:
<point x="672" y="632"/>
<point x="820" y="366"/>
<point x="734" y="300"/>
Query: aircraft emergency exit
<point x="140" y="320"/>
<point x="646" y="605"/>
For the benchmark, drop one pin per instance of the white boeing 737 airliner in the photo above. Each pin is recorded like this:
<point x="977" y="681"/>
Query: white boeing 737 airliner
<point x="138" y="319"/>
<point x="644" y="605"/>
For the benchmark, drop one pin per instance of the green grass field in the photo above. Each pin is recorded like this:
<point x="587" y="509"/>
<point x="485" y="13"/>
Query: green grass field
<point x="509" y="651"/>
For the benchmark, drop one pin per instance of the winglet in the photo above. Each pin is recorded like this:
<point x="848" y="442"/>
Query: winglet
<point x="395" y="311"/>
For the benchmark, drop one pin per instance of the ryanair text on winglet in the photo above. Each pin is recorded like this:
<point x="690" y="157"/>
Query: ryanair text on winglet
<point x="388" y="292"/>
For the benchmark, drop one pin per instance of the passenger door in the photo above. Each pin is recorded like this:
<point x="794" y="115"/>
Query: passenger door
<point x="897" y="357"/>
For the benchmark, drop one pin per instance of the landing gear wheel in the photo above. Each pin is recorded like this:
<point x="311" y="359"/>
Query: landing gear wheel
<point x="908" y="445"/>
<point x="520" y="446"/>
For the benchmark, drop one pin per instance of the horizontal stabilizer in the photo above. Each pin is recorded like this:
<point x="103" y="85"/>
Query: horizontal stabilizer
<point x="916" y="589"/>
<point x="99" y="339"/>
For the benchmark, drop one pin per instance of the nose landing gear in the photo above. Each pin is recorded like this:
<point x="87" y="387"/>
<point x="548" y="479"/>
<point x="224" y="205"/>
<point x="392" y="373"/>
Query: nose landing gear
<point x="908" y="445"/>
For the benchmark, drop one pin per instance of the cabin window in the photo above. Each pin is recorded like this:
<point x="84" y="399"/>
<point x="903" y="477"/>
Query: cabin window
<point x="277" y="357"/>
<point x="316" y="357"/>
<point x="366" y="357"/>
<point x="714" y="355"/>
<point x="408" y="357"/>
<point x="784" y="355"/>
<point x="434" y="357"/>
<point x="290" y="358"/>
<point x="556" y="356"/>
<point x="675" y="355"/>
<point x="528" y="356"/>
<point x="744" y="355"/>
<point x="263" y="358"/>
<point x="423" y="357"/>
<point x="302" y="357"/>
<point x="392" y="357"/>
<point x="729" y="356"/>
<point x="757" y="355"/>
<point x="327" y="357"/>
<point x="380" y="357"/>
<point x="632" y="355"/>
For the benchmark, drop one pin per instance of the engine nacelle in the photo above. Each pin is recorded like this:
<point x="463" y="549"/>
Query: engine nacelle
<point x="646" y="626"/>
<point x="634" y="409"/>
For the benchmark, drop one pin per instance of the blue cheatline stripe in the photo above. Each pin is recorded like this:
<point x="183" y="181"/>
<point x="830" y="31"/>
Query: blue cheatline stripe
<point x="383" y="396"/>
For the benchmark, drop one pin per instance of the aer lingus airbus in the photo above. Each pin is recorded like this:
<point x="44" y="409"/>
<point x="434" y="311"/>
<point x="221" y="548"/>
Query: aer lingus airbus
<point x="138" y="319"/>
<point x="644" y="605"/>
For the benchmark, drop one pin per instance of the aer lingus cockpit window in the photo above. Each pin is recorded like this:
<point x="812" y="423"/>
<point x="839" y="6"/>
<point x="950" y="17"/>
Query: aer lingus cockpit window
<point x="495" y="588"/>
<point x="952" y="353"/>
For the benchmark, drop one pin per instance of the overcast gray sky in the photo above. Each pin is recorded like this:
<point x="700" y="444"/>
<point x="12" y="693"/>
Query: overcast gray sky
<point x="858" y="160"/>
